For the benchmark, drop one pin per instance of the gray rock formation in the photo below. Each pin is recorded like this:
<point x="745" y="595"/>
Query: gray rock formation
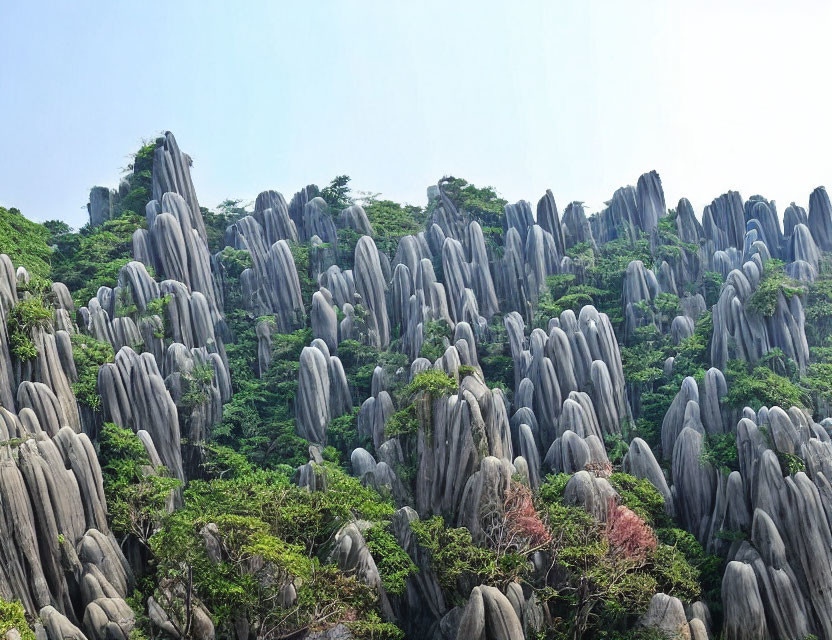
<point x="371" y="287"/>
<point x="172" y="174"/>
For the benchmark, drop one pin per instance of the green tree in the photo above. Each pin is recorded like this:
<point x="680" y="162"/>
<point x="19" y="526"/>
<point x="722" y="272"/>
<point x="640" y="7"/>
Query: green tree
<point x="337" y="194"/>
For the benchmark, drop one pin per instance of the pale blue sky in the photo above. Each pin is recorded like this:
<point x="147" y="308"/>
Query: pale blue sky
<point x="579" y="97"/>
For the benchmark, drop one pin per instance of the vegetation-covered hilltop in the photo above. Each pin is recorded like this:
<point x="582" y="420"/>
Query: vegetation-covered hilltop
<point x="343" y="417"/>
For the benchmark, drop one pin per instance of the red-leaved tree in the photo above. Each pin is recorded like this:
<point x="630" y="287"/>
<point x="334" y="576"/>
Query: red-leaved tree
<point x="523" y="525"/>
<point x="628" y="535"/>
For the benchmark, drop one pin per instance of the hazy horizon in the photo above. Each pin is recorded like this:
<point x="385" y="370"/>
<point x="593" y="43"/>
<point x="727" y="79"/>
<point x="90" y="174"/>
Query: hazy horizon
<point x="581" y="100"/>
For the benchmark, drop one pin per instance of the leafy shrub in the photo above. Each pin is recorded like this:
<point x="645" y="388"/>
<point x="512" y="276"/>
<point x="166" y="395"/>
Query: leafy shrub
<point x="342" y="432"/>
<point x="453" y="554"/>
<point x="137" y="496"/>
<point x="93" y="257"/>
<point x="337" y="194"/>
<point x="616" y="448"/>
<point x="553" y="487"/>
<point x="404" y="422"/>
<point x="773" y="284"/>
<point x="13" y="617"/>
<point x="639" y="495"/>
<point x="760" y="387"/>
<point x="89" y="354"/>
<point x="433" y="382"/>
<point x="674" y="573"/>
<point x="437" y="336"/>
<point x="24" y="318"/>
<point x="498" y="369"/>
<point x="393" y="563"/>
<point x="479" y="203"/>
<point x="790" y="463"/>
<point x="372" y="628"/>
<point x="196" y="385"/>
<point x="720" y="451"/>
<point x="712" y="286"/>
<point x="391" y="221"/>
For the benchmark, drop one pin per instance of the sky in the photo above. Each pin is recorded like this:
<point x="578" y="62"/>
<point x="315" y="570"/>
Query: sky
<point x="579" y="97"/>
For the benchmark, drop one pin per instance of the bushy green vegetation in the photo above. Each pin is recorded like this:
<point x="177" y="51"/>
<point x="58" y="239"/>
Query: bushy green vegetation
<point x="478" y="203"/>
<point x="453" y="555"/>
<point x="437" y="337"/>
<point x="259" y="419"/>
<point x="267" y="527"/>
<point x="337" y="194"/>
<point x="13" y="617"/>
<point x="391" y="221"/>
<point x="25" y="242"/>
<point x="139" y="182"/>
<point x="642" y="497"/>
<point x="342" y="434"/>
<point x="710" y="566"/>
<point x="392" y="561"/>
<point x="759" y="386"/>
<point x="93" y="257"/>
<point x="24" y="319"/>
<point x="773" y="284"/>
<point x="89" y="354"/>
<point x="137" y="494"/>
<point x="360" y="360"/>
<point x="433" y="382"/>
<point x="712" y="282"/>
<point x="405" y="422"/>
<point x="720" y="451"/>
<point x="602" y="591"/>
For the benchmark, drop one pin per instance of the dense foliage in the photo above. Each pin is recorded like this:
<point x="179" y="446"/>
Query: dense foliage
<point x="265" y="526"/>
<point x="13" y="617"/>
<point x="89" y="354"/>
<point x="25" y="318"/>
<point x="25" y="242"/>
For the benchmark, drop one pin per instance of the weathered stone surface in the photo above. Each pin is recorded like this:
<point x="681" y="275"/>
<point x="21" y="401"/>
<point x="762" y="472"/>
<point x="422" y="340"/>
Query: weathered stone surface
<point x="356" y="219"/>
<point x="272" y="212"/>
<point x="100" y="206"/>
<point x="489" y="615"/>
<point x="592" y="493"/>
<point x="820" y="218"/>
<point x="134" y="395"/>
<point x="371" y="286"/>
<point x="172" y="174"/>
<point x="667" y="615"/>
<point x="641" y="463"/>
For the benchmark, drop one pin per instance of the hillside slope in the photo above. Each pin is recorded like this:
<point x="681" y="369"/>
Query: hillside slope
<point x="330" y="418"/>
